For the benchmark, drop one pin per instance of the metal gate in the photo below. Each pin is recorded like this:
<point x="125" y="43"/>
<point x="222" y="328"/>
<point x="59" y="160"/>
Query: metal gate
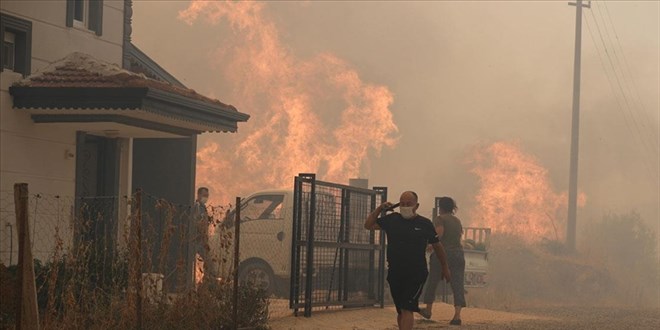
<point x="335" y="262"/>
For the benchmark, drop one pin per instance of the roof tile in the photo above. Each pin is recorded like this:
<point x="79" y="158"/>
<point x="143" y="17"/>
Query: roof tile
<point x="81" y="70"/>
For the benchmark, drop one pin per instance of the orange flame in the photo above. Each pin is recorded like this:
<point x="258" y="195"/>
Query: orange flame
<point x="313" y="115"/>
<point x="516" y="196"/>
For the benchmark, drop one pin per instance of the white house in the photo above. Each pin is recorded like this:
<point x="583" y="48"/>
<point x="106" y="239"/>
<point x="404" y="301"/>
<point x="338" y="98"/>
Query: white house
<point x="85" y="114"/>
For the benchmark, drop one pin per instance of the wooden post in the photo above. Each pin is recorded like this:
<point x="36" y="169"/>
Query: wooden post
<point x="135" y="262"/>
<point x="28" y="313"/>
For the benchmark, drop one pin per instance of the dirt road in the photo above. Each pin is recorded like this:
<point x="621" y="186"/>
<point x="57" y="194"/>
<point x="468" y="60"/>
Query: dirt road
<point x="532" y="318"/>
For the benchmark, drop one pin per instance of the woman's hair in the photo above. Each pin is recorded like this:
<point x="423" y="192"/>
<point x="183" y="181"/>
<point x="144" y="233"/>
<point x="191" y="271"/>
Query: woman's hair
<point x="447" y="204"/>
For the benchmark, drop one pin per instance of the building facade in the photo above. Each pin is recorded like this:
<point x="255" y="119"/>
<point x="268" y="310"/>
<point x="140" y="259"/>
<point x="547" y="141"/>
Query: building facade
<point x="85" y="115"/>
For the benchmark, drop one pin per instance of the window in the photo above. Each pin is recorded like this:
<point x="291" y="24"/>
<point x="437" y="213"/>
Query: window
<point x="86" y="14"/>
<point x="16" y="52"/>
<point x="263" y="207"/>
<point x="79" y="7"/>
<point x="9" y="51"/>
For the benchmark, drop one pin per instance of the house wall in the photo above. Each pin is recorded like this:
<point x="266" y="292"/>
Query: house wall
<point x="53" y="40"/>
<point x="44" y="155"/>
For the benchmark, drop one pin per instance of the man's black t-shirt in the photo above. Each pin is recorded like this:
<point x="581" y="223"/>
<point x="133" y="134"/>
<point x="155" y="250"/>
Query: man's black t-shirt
<point x="406" y="241"/>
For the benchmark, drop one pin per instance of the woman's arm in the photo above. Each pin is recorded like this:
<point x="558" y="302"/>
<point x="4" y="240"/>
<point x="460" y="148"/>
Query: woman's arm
<point x="440" y="230"/>
<point x="442" y="257"/>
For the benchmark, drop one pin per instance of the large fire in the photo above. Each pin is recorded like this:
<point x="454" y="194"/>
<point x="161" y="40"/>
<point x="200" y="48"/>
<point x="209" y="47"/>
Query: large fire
<point x="516" y="196"/>
<point x="307" y="115"/>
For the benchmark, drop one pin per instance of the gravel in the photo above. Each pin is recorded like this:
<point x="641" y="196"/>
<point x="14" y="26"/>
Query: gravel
<point x="583" y="317"/>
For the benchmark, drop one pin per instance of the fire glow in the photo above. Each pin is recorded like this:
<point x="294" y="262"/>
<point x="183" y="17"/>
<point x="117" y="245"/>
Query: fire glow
<point x="516" y="196"/>
<point x="312" y="115"/>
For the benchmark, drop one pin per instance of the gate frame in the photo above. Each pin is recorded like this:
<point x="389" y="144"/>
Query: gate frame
<point x="342" y="245"/>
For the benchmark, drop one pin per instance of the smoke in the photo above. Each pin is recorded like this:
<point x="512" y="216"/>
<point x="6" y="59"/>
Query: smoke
<point x="307" y="115"/>
<point x="516" y="196"/>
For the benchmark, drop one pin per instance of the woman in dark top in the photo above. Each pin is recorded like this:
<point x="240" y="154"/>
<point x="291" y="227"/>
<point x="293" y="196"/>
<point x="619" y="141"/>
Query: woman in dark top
<point x="450" y="231"/>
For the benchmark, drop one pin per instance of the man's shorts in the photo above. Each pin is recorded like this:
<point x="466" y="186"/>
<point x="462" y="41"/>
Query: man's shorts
<point x="406" y="287"/>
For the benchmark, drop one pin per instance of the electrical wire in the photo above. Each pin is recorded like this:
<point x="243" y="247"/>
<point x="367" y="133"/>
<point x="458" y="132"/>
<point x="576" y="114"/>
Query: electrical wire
<point x="625" y="114"/>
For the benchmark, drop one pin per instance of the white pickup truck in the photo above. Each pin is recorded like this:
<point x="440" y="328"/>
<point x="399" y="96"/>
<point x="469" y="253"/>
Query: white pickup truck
<point x="265" y="242"/>
<point x="476" y="242"/>
<point x="266" y="232"/>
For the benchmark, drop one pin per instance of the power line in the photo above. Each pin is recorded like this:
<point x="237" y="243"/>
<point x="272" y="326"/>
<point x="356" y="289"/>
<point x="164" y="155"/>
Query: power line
<point x="620" y="86"/>
<point x="630" y="76"/>
<point x="619" y="104"/>
<point x="640" y="123"/>
<point x="649" y="167"/>
<point x="648" y="132"/>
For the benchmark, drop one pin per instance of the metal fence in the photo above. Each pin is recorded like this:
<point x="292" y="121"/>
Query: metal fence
<point x="335" y="262"/>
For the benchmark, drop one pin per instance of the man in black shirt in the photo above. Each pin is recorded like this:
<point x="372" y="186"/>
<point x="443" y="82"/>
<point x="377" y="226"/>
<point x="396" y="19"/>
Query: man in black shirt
<point x="408" y="235"/>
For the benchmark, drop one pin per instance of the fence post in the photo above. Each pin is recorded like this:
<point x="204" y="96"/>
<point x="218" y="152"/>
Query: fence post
<point x="237" y="244"/>
<point x="294" y="292"/>
<point x="27" y="311"/>
<point x="309" y="272"/>
<point x="136" y="253"/>
<point x="381" y="255"/>
<point x="444" y="289"/>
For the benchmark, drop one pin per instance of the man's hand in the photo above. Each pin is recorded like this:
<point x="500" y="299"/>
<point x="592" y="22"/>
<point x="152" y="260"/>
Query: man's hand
<point x="370" y="223"/>
<point x="384" y="206"/>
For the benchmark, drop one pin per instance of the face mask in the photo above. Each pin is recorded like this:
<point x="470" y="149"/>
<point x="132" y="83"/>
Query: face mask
<point x="407" y="212"/>
<point x="203" y="200"/>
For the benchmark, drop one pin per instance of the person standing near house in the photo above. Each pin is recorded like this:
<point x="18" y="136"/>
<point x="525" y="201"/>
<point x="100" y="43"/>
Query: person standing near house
<point x="200" y="230"/>
<point x="450" y="230"/>
<point x="408" y="235"/>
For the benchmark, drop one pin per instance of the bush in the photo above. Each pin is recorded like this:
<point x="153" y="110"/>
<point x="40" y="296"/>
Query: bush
<point x="210" y="307"/>
<point x="628" y="246"/>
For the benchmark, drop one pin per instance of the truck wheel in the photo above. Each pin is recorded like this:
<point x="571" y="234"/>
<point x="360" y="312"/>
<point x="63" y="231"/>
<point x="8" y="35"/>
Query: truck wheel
<point x="258" y="274"/>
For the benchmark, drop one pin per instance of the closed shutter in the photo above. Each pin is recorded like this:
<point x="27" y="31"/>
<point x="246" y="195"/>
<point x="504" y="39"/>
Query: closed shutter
<point x="69" y="12"/>
<point x="96" y="16"/>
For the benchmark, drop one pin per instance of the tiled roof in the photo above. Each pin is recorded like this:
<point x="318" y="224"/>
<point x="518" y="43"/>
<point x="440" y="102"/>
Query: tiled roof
<point x="79" y="70"/>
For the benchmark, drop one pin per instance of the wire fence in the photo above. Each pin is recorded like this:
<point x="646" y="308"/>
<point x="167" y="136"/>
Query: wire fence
<point x="91" y="252"/>
<point x="47" y="215"/>
<point x="144" y="251"/>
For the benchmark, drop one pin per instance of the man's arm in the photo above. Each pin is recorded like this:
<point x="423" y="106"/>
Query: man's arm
<point x="370" y="223"/>
<point x="442" y="256"/>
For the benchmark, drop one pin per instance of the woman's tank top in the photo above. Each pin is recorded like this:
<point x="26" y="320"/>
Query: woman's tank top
<point x="453" y="231"/>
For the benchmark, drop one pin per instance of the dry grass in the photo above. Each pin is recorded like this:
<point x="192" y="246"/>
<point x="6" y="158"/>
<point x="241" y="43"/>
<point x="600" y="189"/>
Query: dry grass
<point x="525" y="275"/>
<point x="85" y="287"/>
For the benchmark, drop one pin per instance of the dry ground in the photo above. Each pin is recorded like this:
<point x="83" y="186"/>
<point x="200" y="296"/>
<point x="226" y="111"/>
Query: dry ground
<point x="473" y="318"/>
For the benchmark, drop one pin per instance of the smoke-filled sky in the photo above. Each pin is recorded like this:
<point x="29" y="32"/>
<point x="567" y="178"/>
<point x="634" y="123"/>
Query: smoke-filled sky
<point x="429" y="84"/>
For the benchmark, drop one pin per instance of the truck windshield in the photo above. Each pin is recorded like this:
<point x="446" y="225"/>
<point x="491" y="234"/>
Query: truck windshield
<point x="260" y="207"/>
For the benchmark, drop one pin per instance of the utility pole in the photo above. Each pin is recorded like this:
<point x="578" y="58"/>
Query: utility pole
<point x="575" y="129"/>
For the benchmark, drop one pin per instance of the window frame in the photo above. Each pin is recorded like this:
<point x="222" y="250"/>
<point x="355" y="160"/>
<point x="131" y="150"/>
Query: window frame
<point x="12" y="65"/>
<point x="22" y="30"/>
<point x="85" y="15"/>
<point x="92" y="16"/>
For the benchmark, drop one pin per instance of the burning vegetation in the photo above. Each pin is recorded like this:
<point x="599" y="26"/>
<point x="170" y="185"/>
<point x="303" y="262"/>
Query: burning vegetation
<point x="617" y="259"/>
<point x="516" y="196"/>
<point x="314" y="115"/>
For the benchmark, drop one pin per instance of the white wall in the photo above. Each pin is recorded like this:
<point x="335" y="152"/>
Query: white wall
<point x="53" y="40"/>
<point x="36" y="154"/>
